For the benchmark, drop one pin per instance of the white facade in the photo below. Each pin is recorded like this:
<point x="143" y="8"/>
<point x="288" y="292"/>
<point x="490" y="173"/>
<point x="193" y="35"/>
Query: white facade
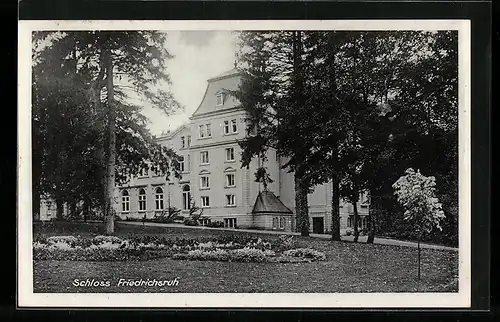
<point x="213" y="175"/>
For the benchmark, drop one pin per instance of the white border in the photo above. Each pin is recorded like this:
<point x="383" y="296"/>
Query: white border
<point x="26" y="297"/>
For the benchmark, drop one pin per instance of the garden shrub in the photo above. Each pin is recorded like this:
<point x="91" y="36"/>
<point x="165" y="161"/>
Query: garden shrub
<point x="307" y="253"/>
<point x="215" y="224"/>
<point x="248" y="254"/>
<point x="234" y="255"/>
<point x="283" y="242"/>
<point x="143" y="247"/>
<point x="65" y="239"/>
<point x="110" y="239"/>
<point x="188" y="221"/>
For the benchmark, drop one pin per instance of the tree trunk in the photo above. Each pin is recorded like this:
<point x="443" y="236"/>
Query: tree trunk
<point x="111" y="155"/>
<point x="335" y="209"/>
<point x="356" y="219"/>
<point x="301" y="207"/>
<point x="86" y="209"/>
<point x="36" y="204"/>
<point x="72" y="209"/>
<point x="418" y="246"/>
<point x="59" y="208"/>
<point x="371" y="221"/>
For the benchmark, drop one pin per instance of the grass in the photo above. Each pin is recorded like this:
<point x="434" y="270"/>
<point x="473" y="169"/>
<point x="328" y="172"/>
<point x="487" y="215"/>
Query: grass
<point x="350" y="267"/>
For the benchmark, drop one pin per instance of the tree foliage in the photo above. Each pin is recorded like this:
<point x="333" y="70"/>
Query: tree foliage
<point x="71" y="110"/>
<point x="355" y="108"/>
<point x="417" y="194"/>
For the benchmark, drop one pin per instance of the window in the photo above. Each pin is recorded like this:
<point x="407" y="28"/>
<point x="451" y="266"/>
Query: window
<point x="204" y="221"/>
<point x="205" y="201"/>
<point x="230" y="222"/>
<point x="279" y="223"/>
<point x="186" y="196"/>
<point x="159" y="198"/>
<point x="230" y="180"/>
<point x="142" y="200"/>
<point x="230" y="154"/>
<point x="204" y="182"/>
<point x="202" y="131"/>
<point x="204" y="157"/>
<point x="230" y="200"/>
<point x="220" y="99"/>
<point x="157" y="171"/>
<point x="234" y="128"/>
<point x="230" y="127"/>
<point x="188" y="163"/>
<point x="181" y="164"/>
<point x="143" y="172"/>
<point x="183" y="142"/>
<point x="205" y="130"/>
<point x="125" y="201"/>
<point x="362" y="222"/>
<point x="189" y="141"/>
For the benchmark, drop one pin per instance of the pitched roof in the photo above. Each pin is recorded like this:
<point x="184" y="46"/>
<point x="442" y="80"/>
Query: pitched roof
<point x="227" y="81"/>
<point x="267" y="202"/>
<point x="229" y="73"/>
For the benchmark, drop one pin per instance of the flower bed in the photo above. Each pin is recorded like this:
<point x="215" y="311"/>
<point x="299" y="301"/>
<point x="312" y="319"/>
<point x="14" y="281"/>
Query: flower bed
<point x="226" y="248"/>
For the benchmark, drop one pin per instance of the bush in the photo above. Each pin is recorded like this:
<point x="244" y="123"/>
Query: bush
<point x="109" y="239"/>
<point x="188" y="221"/>
<point x="133" y="219"/>
<point x="215" y="224"/>
<point x="224" y="248"/>
<point x="214" y="255"/>
<point x="235" y="255"/>
<point x="306" y="253"/>
<point x="284" y="242"/>
<point x="99" y="248"/>
<point x="99" y="254"/>
<point x="248" y="254"/>
<point x="167" y="216"/>
<point x="348" y="232"/>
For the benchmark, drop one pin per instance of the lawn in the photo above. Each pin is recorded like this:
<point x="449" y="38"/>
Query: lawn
<point x="349" y="267"/>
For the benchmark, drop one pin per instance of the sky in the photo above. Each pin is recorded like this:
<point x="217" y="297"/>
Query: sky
<point x="198" y="56"/>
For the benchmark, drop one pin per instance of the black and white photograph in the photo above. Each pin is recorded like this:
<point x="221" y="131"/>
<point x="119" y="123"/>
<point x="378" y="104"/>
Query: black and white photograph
<point x="244" y="163"/>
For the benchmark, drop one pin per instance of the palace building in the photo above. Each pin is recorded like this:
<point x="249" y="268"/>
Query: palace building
<point x="213" y="178"/>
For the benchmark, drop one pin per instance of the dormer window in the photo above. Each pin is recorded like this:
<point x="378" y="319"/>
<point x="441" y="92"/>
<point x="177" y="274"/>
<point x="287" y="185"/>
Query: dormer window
<point x="220" y="99"/>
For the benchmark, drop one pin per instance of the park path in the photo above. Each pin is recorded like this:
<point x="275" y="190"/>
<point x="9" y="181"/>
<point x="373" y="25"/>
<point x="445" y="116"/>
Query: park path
<point x="362" y="239"/>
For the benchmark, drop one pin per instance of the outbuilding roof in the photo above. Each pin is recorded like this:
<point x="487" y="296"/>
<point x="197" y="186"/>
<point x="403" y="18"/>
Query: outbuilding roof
<point x="267" y="202"/>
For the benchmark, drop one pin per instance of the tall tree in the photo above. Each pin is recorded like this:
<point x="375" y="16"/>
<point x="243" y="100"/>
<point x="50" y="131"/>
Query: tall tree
<point x="113" y="67"/>
<point x="273" y="92"/>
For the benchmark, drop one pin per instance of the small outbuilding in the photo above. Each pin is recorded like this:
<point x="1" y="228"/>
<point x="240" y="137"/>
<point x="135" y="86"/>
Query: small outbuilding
<point x="270" y="213"/>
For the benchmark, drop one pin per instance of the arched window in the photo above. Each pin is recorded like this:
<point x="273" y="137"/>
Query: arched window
<point x="125" y="201"/>
<point x="159" y="198"/>
<point x="204" y="179"/>
<point x="229" y="174"/>
<point x="142" y="199"/>
<point x="186" y="196"/>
